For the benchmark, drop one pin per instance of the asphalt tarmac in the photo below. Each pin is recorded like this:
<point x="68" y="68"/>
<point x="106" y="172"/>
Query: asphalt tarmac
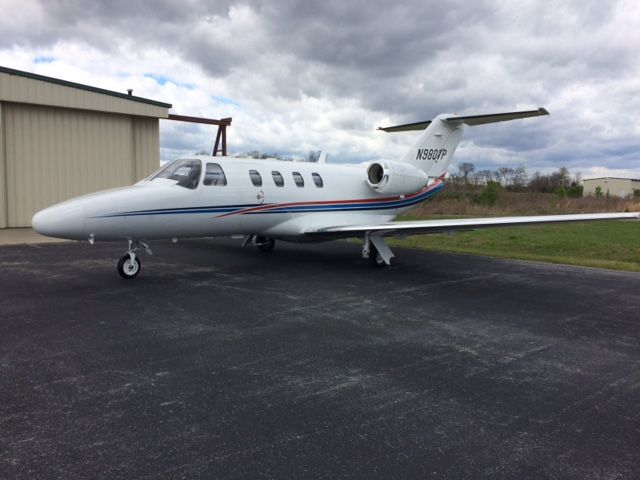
<point x="218" y="362"/>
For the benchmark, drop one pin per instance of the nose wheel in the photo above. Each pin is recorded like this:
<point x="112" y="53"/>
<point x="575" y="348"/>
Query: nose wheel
<point x="129" y="266"/>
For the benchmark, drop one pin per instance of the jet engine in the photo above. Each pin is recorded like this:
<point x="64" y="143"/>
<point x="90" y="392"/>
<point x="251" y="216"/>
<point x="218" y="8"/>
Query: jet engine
<point x="395" y="178"/>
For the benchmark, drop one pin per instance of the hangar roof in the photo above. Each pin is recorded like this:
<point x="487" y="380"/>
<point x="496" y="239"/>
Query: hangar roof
<point x="25" y="87"/>
<point x="612" y="178"/>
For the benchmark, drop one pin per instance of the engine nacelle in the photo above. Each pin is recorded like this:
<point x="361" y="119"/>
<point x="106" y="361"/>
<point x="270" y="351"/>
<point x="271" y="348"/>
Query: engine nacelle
<point x="395" y="178"/>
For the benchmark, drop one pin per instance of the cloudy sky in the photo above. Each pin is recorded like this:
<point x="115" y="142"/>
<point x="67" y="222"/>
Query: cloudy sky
<point x="299" y="76"/>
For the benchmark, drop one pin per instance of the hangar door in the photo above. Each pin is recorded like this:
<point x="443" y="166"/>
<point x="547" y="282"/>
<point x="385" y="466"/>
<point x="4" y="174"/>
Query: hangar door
<point x="53" y="154"/>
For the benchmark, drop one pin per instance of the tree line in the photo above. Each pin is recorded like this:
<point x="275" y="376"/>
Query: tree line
<point x="311" y="156"/>
<point x="518" y="180"/>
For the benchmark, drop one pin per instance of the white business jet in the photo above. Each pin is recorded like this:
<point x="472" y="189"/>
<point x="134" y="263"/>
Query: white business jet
<point x="265" y="200"/>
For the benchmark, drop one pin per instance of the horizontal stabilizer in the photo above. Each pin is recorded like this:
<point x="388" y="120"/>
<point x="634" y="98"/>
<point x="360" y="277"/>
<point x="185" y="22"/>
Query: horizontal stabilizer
<point x="470" y="120"/>
<point x="407" y="127"/>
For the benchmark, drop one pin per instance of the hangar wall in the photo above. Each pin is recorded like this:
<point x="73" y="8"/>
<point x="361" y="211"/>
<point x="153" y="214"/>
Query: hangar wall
<point x="60" y="139"/>
<point x="3" y="176"/>
<point x="619" y="187"/>
<point x="146" y="151"/>
<point x="52" y="154"/>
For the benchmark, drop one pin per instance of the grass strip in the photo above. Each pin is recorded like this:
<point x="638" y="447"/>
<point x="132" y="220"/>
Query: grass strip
<point x="610" y="244"/>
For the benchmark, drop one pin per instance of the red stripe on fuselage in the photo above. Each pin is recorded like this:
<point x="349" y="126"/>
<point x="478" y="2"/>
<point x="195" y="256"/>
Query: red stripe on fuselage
<point x="333" y="202"/>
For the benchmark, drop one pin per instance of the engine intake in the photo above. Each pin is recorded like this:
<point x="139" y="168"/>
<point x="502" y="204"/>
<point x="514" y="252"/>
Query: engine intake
<point x="395" y="178"/>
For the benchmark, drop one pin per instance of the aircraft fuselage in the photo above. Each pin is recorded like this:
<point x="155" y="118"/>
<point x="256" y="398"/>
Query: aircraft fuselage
<point x="311" y="196"/>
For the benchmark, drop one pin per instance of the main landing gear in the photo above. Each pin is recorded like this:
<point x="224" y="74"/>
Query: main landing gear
<point x="129" y="266"/>
<point x="264" y="244"/>
<point x="376" y="250"/>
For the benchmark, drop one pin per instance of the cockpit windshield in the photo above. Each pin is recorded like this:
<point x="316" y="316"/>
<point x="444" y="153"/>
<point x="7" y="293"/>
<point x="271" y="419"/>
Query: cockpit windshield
<point x="185" y="172"/>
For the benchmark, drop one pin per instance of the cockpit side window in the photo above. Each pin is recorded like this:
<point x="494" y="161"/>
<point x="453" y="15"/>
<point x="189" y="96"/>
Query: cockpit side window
<point x="214" y="175"/>
<point x="185" y="172"/>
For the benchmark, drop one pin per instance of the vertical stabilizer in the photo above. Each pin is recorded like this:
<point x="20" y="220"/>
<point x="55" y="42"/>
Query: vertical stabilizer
<point x="433" y="151"/>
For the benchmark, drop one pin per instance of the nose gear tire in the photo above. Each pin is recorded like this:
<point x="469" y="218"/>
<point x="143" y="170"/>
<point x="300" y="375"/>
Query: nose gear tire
<point x="128" y="269"/>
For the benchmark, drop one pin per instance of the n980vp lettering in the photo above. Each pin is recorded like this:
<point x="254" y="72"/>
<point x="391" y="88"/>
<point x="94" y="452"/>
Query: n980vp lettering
<point x="431" y="153"/>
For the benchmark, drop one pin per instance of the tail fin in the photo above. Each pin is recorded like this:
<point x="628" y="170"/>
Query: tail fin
<point x="433" y="152"/>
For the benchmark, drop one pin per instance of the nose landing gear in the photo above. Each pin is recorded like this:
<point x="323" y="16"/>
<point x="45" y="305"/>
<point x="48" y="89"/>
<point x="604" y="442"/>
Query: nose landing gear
<point x="129" y="266"/>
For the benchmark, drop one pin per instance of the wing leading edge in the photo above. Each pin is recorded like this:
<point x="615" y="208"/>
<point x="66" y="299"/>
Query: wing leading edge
<point x="439" y="226"/>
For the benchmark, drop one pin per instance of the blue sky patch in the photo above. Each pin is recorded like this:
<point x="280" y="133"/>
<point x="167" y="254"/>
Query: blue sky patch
<point x="225" y="100"/>
<point x="44" y="59"/>
<point x="162" y="80"/>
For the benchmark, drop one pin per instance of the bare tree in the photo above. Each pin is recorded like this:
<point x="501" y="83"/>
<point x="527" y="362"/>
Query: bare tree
<point x="504" y="175"/>
<point x="577" y="178"/>
<point x="464" y="169"/>
<point x="519" y="178"/>
<point x="483" y="176"/>
<point x="565" y="177"/>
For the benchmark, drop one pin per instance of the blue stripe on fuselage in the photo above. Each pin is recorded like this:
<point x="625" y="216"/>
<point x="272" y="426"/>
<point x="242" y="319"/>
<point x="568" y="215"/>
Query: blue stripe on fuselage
<point x="321" y="207"/>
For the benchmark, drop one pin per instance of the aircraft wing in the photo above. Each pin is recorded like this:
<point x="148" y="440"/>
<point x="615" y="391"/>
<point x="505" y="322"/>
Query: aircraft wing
<point x="439" y="226"/>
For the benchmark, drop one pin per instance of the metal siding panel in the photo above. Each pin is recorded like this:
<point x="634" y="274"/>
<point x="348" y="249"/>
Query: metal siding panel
<point x="147" y="146"/>
<point x="10" y="128"/>
<point x="3" y="175"/>
<point x="55" y="154"/>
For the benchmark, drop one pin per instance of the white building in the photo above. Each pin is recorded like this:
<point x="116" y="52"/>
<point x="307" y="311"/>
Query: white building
<point x="619" y="187"/>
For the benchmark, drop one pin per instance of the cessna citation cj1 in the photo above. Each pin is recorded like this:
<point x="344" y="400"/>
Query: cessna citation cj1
<point x="265" y="200"/>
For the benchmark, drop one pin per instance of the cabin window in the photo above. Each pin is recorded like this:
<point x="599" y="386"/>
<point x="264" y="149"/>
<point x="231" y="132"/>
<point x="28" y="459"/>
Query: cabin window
<point x="185" y="172"/>
<point x="277" y="178"/>
<point x="298" y="179"/>
<point x="317" y="179"/>
<point x="256" y="178"/>
<point x="214" y="175"/>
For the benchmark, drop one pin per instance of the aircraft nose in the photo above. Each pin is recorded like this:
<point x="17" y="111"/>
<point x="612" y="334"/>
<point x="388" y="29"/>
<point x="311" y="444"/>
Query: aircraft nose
<point x="65" y="220"/>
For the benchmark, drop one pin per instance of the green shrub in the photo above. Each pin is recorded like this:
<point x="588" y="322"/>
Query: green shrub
<point x="489" y="194"/>
<point x="598" y="191"/>
<point x="575" y="191"/>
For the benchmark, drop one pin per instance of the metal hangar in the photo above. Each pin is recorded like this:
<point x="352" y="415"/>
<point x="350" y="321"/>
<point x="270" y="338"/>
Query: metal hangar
<point x="61" y="139"/>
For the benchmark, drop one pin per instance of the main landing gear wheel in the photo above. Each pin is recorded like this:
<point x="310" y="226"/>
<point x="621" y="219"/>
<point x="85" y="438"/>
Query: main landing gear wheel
<point x="375" y="259"/>
<point x="128" y="268"/>
<point x="265" y="244"/>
